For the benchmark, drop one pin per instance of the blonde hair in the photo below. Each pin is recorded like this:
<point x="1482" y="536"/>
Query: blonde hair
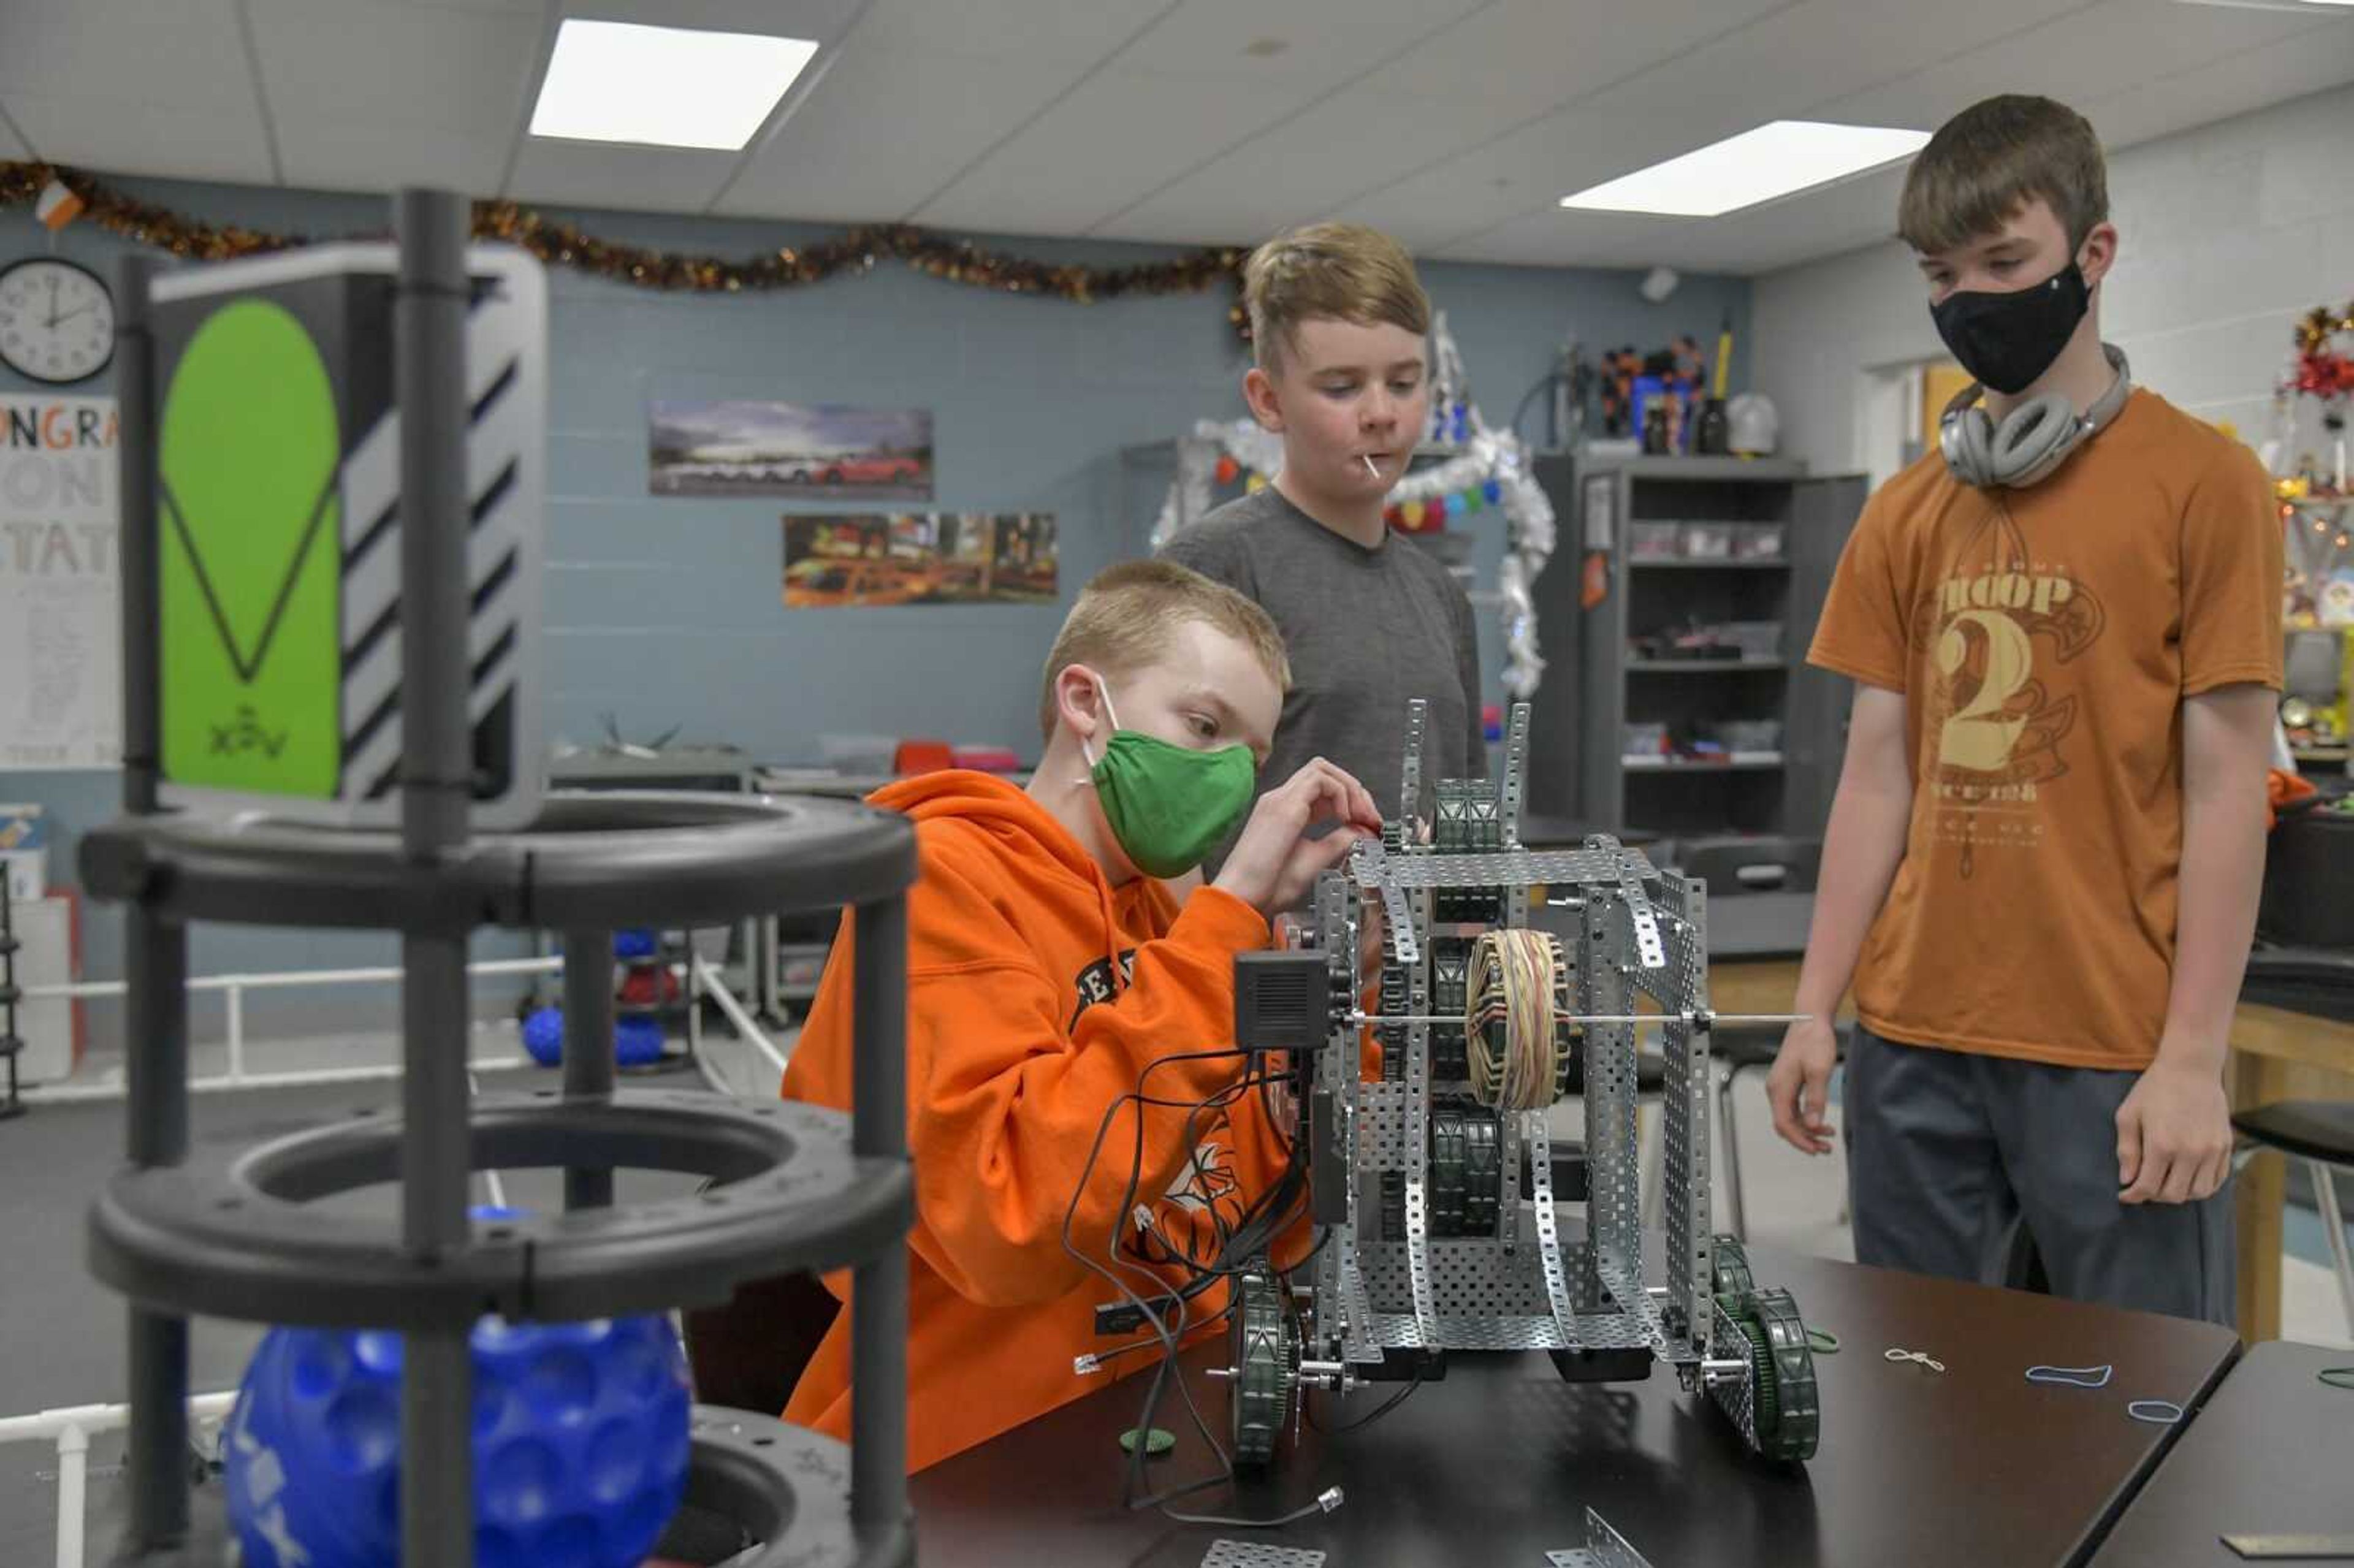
<point x="1125" y="615"/>
<point x="1337" y="272"/>
<point x="1987" y="161"/>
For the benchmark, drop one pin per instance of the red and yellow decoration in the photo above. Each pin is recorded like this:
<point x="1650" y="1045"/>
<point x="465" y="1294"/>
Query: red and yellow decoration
<point x="2322" y="368"/>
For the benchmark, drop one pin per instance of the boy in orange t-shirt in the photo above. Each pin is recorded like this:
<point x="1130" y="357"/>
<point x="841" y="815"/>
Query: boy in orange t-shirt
<point x="1048" y="968"/>
<point x="2044" y="859"/>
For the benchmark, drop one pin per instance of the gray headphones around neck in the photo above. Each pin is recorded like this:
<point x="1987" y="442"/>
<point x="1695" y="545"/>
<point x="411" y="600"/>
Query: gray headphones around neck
<point x="2032" y="440"/>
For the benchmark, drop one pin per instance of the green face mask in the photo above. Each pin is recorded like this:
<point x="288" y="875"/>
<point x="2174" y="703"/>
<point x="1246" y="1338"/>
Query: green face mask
<point x="1168" y="806"/>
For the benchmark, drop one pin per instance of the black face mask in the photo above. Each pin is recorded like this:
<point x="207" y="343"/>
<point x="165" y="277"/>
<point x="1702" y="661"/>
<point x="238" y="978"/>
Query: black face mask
<point x="2006" y="341"/>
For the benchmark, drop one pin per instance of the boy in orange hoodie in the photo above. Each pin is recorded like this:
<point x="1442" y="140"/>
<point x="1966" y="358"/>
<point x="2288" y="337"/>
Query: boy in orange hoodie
<point x="1047" y="969"/>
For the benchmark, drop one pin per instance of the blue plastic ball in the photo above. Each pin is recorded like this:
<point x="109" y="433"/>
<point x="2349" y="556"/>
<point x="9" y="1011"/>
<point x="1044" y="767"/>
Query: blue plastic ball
<point x="1494" y="489"/>
<point x="1454" y="506"/>
<point x="637" y="1041"/>
<point x="542" y="1036"/>
<point x="634" y="942"/>
<point x="580" y="1444"/>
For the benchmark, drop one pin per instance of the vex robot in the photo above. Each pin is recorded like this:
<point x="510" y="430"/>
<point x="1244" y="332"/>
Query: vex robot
<point x="1447" y="1213"/>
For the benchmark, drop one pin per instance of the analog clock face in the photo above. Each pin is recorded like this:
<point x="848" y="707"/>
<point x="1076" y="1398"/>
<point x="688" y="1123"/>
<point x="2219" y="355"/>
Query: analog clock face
<point x="57" y="320"/>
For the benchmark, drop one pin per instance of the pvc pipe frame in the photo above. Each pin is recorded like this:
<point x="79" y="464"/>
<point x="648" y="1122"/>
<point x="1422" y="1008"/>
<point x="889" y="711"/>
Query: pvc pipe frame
<point x="751" y="1032"/>
<point x="70" y="1428"/>
<point x="234" y="986"/>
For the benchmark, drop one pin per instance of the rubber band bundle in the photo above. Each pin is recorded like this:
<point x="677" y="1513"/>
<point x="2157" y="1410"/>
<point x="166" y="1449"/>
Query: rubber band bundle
<point x="1514" y="1047"/>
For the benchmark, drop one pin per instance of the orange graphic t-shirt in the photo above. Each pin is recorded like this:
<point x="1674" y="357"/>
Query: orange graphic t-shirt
<point x="2044" y="640"/>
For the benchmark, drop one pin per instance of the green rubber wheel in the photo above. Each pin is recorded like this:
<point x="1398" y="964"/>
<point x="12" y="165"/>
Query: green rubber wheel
<point x="1782" y="1368"/>
<point x="1730" y="1273"/>
<point x="1265" y="1364"/>
<point x="1765" y="1407"/>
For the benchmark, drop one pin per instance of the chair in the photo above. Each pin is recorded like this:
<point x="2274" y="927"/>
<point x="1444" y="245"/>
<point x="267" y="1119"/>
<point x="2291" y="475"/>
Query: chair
<point x="1732" y="867"/>
<point x="748" y="1353"/>
<point x="2321" y="1133"/>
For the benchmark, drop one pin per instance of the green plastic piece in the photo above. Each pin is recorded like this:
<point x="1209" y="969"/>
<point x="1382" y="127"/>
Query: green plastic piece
<point x="1731" y="1276"/>
<point x="1265" y="1363"/>
<point x="1789" y="1409"/>
<point x="251" y="560"/>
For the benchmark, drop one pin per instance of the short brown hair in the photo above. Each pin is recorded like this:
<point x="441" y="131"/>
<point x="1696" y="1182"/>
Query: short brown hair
<point x="1339" y="272"/>
<point x="1987" y="161"/>
<point x="1126" y="614"/>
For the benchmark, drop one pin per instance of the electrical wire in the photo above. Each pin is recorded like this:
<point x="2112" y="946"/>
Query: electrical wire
<point x="1391" y="1403"/>
<point x="1261" y="1223"/>
<point x="1513" y="1047"/>
<point x="1168" y="1337"/>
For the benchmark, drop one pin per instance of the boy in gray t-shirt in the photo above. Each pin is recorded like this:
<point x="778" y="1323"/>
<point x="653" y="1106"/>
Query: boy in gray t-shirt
<point x="1338" y="324"/>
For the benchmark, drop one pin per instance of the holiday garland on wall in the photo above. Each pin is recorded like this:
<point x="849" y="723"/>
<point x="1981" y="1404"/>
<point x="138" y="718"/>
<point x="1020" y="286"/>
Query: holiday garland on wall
<point x="854" y="251"/>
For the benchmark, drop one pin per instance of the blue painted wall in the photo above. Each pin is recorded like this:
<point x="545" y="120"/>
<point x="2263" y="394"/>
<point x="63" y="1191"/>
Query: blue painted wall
<point x="663" y="611"/>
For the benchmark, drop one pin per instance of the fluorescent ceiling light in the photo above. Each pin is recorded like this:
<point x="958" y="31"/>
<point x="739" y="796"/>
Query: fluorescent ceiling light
<point x="1756" y="165"/>
<point x="670" y="87"/>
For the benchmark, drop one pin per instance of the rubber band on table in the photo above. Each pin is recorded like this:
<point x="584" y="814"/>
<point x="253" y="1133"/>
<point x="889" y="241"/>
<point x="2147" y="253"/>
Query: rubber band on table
<point x="1823" y="1342"/>
<point x="2155" y="1411"/>
<point x="1921" y="1358"/>
<point x="2072" y="1377"/>
<point x="2337" y="1377"/>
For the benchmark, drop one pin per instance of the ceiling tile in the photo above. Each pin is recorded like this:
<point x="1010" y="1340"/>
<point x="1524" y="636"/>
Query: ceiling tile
<point x="1304" y="41"/>
<point x="822" y="20"/>
<point x="1118" y="133"/>
<point x="187" y="53"/>
<point x="1481" y="78"/>
<point x="1775" y="68"/>
<point x="488" y="7"/>
<point x="2093" y="52"/>
<point x="1455" y="123"/>
<point x="1053" y="30"/>
<point x="1566" y="47"/>
<point x="480" y="65"/>
<point x="643" y="179"/>
<point x="321" y="152"/>
<point x="2313" y="60"/>
<point x="129" y="135"/>
<point x="1294" y="172"/>
<point x="887" y="130"/>
<point x="1559" y="239"/>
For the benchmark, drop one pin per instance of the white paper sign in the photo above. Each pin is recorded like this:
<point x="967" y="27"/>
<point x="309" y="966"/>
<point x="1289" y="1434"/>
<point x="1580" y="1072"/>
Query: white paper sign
<point x="60" y="634"/>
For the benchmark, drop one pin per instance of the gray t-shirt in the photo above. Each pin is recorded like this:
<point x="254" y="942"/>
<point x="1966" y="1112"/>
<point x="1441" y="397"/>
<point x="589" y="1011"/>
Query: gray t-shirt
<point x="1367" y="630"/>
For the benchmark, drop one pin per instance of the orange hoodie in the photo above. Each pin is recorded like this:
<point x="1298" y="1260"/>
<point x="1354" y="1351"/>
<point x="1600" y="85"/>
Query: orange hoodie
<point x="1036" y="995"/>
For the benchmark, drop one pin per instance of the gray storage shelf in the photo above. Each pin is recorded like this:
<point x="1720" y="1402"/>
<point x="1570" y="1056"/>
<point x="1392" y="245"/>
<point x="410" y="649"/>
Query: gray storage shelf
<point x="1702" y="666"/>
<point x="1709" y="566"/>
<point x="1596" y="691"/>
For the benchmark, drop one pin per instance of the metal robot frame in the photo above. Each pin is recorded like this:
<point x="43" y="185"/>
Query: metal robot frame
<point x="1441" y="1216"/>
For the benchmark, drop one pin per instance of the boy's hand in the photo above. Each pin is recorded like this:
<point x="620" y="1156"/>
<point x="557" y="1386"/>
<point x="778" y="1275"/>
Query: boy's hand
<point x="2174" y="1137"/>
<point x="1798" y="1088"/>
<point x="1274" y="862"/>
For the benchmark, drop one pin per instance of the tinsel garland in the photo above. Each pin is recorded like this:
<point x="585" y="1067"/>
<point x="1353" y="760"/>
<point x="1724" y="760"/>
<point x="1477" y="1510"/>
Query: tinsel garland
<point x="557" y="244"/>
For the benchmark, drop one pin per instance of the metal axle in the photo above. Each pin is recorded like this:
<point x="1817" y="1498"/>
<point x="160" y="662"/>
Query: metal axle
<point x="1696" y="1019"/>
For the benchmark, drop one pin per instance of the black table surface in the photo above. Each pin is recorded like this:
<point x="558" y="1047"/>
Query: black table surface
<point x="2272" y="1453"/>
<point x="1497" y="1463"/>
